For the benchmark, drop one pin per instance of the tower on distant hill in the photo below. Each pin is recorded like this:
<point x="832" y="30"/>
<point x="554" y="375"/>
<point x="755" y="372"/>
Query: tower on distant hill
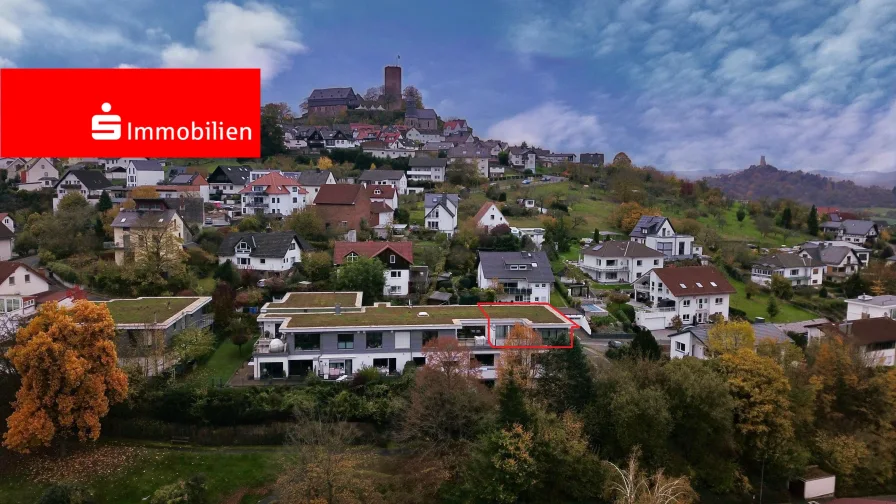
<point x="761" y="160"/>
<point x="392" y="87"/>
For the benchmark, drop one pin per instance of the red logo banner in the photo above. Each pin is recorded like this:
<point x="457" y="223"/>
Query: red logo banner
<point x="183" y="113"/>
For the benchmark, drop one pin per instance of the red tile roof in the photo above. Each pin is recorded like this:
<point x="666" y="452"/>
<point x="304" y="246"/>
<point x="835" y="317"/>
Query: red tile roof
<point x="276" y="184"/>
<point x="690" y="277"/>
<point x="484" y="210"/>
<point x="386" y="191"/>
<point x="338" y="194"/>
<point x="380" y="207"/>
<point x="872" y="330"/>
<point x="372" y="249"/>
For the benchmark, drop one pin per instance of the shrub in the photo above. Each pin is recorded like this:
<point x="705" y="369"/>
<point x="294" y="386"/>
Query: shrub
<point x="823" y="292"/>
<point x="734" y="313"/>
<point x="65" y="494"/>
<point x="191" y="491"/>
<point x="64" y="271"/>
<point x="617" y="298"/>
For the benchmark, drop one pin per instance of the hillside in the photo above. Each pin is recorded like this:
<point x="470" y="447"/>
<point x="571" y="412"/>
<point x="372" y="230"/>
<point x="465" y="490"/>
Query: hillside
<point x="767" y="181"/>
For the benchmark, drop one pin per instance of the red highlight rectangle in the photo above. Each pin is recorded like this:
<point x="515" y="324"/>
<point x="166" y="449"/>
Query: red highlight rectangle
<point x="488" y="326"/>
<point x="184" y="113"/>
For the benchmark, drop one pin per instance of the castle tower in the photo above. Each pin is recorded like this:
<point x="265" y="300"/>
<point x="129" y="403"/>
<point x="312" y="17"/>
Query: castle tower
<point x="761" y="160"/>
<point x="392" y="87"/>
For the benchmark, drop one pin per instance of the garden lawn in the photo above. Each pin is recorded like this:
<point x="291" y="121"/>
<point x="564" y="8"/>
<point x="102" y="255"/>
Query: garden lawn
<point x="557" y="300"/>
<point x="223" y="363"/>
<point x="756" y="306"/>
<point x="227" y="470"/>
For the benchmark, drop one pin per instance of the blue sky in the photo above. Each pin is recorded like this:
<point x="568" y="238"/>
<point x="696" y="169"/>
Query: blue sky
<point x="679" y="84"/>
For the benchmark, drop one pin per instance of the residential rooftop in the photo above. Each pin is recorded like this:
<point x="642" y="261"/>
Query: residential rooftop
<point x="317" y="300"/>
<point x="152" y="310"/>
<point x="377" y="316"/>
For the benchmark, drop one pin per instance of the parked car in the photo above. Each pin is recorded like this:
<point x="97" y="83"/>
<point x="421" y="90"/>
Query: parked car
<point x="208" y="221"/>
<point x="527" y="181"/>
<point x="615" y="344"/>
<point x="545" y="178"/>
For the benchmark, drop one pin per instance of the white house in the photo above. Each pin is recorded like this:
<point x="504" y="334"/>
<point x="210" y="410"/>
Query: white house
<point x="467" y="153"/>
<point x="536" y="235"/>
<point x="7" y="242"/>
<point x="312" y="180"/>
<point x="331" y="335"/>
<point x="840" y="259"/>
<point x="693" y="293"/>
<point x="7" y="221"/>
<point x="135" y="229"/>
<point x="19" y="288"/>
<point x="273" y="194"/>
<point x="618" y="261"/>
<point x="657" y="233"/>
<point x="144" y="173"/>
<point x="798" y="269"/>
<point x="875" y="337"/>
<point x="396" y="178"/>
<point x="37" y="173"/>
<point x="523" y="158"/>
<point x="517" y="276"/>
<point x="272" y="253"/>
<point x="427" y="169"/>
<point x="119" y="162"/>
<point x="424" y="135"/>
<point x="866" y="306"/>
<point x="440" y="212"/>
<point x="853" y="231"/>
<point x="489" y="216"/>
<point x="336" y="139"/>
<point x="380" y="149"/>
<point x="88" y="183"/>
<point x="694" y="341"/>
<point x="228" y="179"/>
<point x="386" y="194"/>
<point x="397" y="257"/>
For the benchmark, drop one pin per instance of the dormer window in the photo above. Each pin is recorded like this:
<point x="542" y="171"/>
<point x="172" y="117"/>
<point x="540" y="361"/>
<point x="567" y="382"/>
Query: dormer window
<point x="377" y="191"/>
<point x="351" y="257"/>
<point x="258" y="188"/>
<point x="522" y="266"/>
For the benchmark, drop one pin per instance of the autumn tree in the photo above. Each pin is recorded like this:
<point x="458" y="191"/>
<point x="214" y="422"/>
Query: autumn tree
<point x="374" y="93"/>
<point x="68" y="365"/>
<point x="139" y="192"/>
<point x="279" y="111"/>
<point x="316" y="266"/>
<point x="621" y="160"/>
<point x="781" y="287"/>
<point x="413" y="94"/>
<point x="515" y="358"/>
<point x="751" y="289"/>
<point x="158" y="248"/>
<point x="192" y="343"/>
<point x="448" y="403"/>
<point x="763" y="420"/>
<point x="307" y="224"/>
<point x="730" y="336"/>
<point x="626" y="215"/>
<point x="324" y="163"/>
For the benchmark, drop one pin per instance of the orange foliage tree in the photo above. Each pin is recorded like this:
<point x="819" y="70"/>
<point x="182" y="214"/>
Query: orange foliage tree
<point x="519" y="362"/>
<point x="67" y="360"/>
<point x="626" y="215"/>
<point x="139" y="192"/>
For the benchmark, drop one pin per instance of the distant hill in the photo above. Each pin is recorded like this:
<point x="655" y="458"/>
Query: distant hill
<point x="760" y="181"/>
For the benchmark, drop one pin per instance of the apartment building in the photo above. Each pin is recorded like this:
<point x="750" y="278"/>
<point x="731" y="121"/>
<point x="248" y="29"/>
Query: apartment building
<point x="517" y="276"/>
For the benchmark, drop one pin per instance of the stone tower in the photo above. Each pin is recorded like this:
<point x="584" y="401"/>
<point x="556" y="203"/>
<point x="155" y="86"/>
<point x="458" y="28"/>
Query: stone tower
<point x="761" y="160"/>
<point x="392" y="87"/>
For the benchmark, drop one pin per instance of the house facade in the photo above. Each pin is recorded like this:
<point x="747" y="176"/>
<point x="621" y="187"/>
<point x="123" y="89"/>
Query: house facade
<point x="88" y="183"/>
<point x="421" y="118"/>
<point x="7" y="242"/>
<point x="839" y="261"/>
<point x="657" y="233"/>
<point x="516" y="276"/>
<point x="273" y="194"/>
<point x="489" y="216"/>
<point x="618" y="261"/>
<point x="331" y="335"/>
<point x="396" y="178"/>
<point x="595" y="159"/>
<point x="228" y="179"/>
<point x="874" y="337"/>
<point x="424" y="135"/>
<point x="151" y="227"/>
<point x="397" y="258"/>
<point x="427" y="169"/>
<point x="144" y="173"/>
<point x="798" y="269"/>
<point x="342" y="207"/>
<point x="274" y="253"/>
<point x="312" y="180"/>
<point x="37" y="173"/>
<point x="852" y="230"/>
<point x="440" y="212"/>
<point x="332" y="101"/>
<point x="19" y="287"/>
<point x="693" y="293"/>
<point x="866" y="306"/>
<point x="473" y="154"/>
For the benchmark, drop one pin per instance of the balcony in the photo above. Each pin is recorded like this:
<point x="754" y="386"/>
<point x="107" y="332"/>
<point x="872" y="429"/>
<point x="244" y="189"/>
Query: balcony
<point x="517" y="291"/>
<point x="255" y="204"/>
<point x="117" y="245"/>
<point x="263" y="346"/>
<point x="602" y="269"/>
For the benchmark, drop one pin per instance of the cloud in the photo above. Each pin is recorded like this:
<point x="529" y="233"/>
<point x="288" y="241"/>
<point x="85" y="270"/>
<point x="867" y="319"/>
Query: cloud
<point x="127" y="65"/>
<point x="6" y="63"/>
<point x="231" y="36"/>
<point x="553" y="125"/>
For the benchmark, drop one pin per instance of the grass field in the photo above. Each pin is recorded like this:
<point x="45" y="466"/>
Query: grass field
<point x="125" y="474"/>
<point x="557" y="300"/>
<point x="756" y="306"/>
<point x="223" y="363"/>
<point x="746" y="231"/>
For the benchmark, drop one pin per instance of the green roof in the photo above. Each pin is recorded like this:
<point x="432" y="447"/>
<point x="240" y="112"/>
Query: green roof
<point x="438" y="315"/>
<point x="316" y="300"/>
<point x="147" y="310"/>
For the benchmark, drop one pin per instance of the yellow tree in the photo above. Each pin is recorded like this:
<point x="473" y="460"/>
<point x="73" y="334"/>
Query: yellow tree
<point x="731" y="336"/>
<point x="70" y="376"/>
<point x="324" y="163"/>
<point x="139" y="192"/>
<point x="373" y="166"/>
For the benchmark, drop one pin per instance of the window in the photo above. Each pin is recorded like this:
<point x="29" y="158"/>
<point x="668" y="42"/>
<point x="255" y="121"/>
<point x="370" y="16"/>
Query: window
<point x="345" y="341"/>
<point x="344" y="224"/>
<point x="351" y="257"/>
<point x="262" y="261"/>
<point x="307" y="342"/>
<point x="429" y="335"/>
<point x="686" y="302"/>
<point x="374" y="340"/>
<point x="686" y="317"/>
<point x="243" y="260"/>
<point x="719" y="300"/>
<point x="12" y="280"/>
<point x="656" y="262"/>
<point x="679" y="347"/>
<point x="394" y="289"/>
<point x="394" y="274"/>
<point x="492" y="217"/>
<point x="638" y="262"/>
<point x="27" y="278"/>
<point x="392" y="259"/>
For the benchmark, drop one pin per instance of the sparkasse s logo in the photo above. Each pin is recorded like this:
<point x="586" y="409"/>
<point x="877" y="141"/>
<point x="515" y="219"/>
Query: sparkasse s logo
<point x="121" y="112"/>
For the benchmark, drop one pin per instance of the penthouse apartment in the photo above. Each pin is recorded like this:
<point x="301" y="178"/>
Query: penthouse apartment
<point x="330" y="334"/>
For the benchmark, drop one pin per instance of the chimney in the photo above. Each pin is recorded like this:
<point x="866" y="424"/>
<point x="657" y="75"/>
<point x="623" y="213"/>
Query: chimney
<point x="761" y="160"/>
<point x="338" y="309"/>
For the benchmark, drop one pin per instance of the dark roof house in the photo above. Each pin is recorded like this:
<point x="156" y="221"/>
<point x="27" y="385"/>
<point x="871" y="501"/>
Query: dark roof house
<point x="779" y="261"/>
<point x="93" y="180"/>
<point x="648" y="225"/>
<point x="381" y="175"/>
<point x="229" y="174"/>
<point x="620" y="249"/>
<point x="531" y="266"/>
<point x="275" y="244"/>
<point x="694" y="281"/>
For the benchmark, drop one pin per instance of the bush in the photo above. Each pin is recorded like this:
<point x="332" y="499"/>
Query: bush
<point x="192" y="491"/>
<point x="734" y="313"/>
<point x="823" y="292"/>
<point x="64" y="271"/>
<point x="66" y="494"/>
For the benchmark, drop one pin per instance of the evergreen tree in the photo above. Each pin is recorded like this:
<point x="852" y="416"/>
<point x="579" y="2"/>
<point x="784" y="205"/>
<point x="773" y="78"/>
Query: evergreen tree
<point x="645" y="345"/>
<point x="786" y="218"/>
<point x="772" y="307"/>
<point x="512" y="407"/>
<point x="812" y="221"/>
<point x="854" y="286"/>
<point x="226" y="272"/>
<point x="741" y="214"/>
<point x="104" y="203"/>
<point x="596" y="236"/>
<point x="566" y="382"/>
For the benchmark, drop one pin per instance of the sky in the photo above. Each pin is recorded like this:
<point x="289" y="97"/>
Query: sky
<point x="678" y="84"/>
